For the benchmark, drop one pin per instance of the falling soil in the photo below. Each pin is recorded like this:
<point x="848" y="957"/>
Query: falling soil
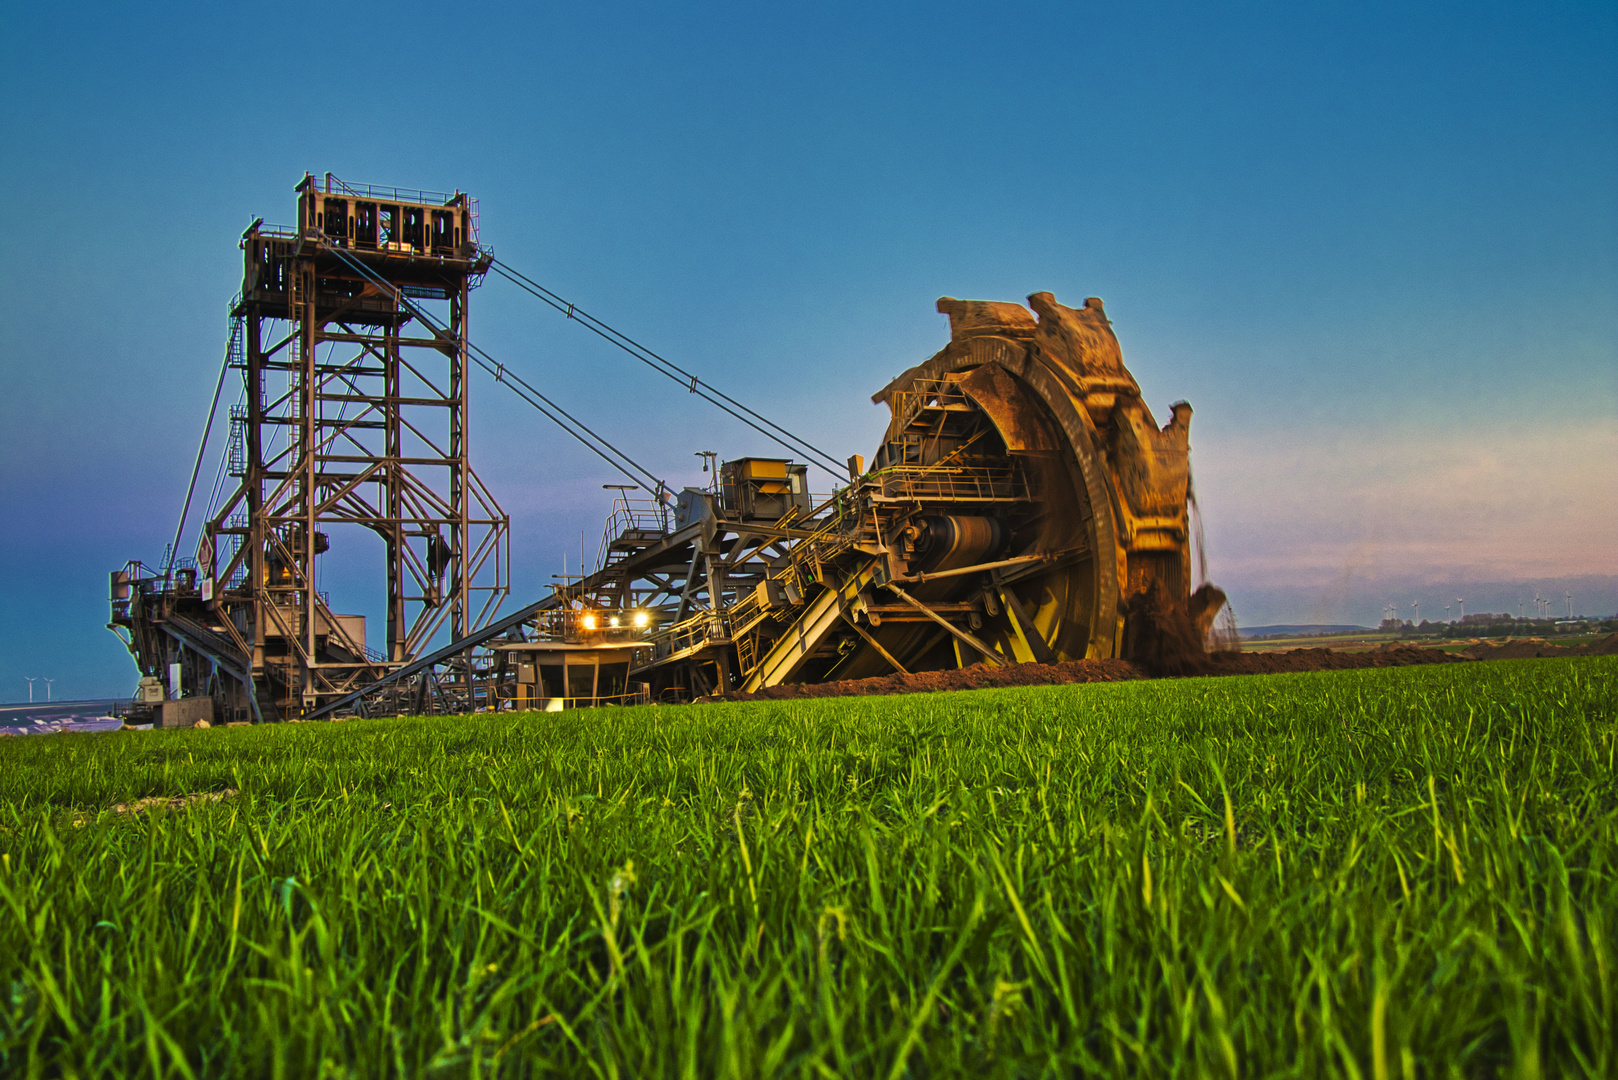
<point x="1166" y="637"/>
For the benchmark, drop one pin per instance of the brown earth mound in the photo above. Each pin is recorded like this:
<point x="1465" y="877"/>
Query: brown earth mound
<point x="1086" y="671"/>
<point x="1219" y="663"/>
<point x="1534" y="647"/>
<point x="1269" y="663"/>
<point x="972" y="678"/>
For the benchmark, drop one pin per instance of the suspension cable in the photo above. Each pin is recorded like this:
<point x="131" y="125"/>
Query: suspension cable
<point x="693" y="384"/>
<point x="219" y="472"/>
<point x="202" y="447"/>
<point x="516" y="384"/>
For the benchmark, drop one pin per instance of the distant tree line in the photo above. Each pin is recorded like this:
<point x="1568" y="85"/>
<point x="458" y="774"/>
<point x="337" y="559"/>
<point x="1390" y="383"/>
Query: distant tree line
<point x="1485" y="625"/>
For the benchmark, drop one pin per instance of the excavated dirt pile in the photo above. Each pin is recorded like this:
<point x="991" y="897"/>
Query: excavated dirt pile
<point x="1270" y="663"/>
<point x="1522" y="650"/>
<point x="972" y="678"/>
<point x="1087" y="671"/>
<point x="1167" y="646"/>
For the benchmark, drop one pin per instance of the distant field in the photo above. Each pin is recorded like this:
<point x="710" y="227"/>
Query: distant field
<point x="1371" y="639"/>
<point x="1379" y="873"/>
<point x="1295" y="629"/>
<point x="1348" y="641"/>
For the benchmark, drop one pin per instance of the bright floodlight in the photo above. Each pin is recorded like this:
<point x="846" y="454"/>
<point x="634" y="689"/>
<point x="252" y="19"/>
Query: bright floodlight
<point x="588" y="622"/>
<point x="613" y="622"/>
<point x="640" y="618"/>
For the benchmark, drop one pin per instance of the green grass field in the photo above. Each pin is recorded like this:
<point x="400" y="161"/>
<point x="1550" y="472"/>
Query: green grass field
<point x="1381" y="873"/>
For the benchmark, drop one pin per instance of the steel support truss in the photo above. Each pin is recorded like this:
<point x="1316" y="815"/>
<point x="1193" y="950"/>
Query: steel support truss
<point x="355" y="415"/>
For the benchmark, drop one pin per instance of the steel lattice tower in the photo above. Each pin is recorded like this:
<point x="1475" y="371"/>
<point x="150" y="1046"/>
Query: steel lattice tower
<point x="356" y="413"/>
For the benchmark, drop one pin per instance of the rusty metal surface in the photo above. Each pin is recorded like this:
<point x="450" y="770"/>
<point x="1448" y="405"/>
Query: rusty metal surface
<point x="353" y="416"/>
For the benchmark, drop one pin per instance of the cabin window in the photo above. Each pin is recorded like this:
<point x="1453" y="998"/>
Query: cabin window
<point x="365" y="223"/>
<point x="336" y="218"/>
<point x="415" y="227"/>
<point x="388" y="226"/>
<point x="443" y="229"/>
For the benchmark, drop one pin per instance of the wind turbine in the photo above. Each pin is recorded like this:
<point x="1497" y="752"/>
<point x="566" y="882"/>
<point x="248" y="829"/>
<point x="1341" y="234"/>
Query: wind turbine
<point x="1461" y="602"/>
<point x="48" y="688"/>
<point x="1570" y="603"/>
<point x="30" y="679"/>
<point x="1416" y="604"/>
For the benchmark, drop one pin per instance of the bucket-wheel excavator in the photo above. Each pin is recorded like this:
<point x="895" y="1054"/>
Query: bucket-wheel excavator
<point x="1023" y="506"/>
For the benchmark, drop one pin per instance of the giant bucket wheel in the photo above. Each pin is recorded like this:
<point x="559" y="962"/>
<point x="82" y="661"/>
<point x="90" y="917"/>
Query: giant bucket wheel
<point x="1023" y="457"/>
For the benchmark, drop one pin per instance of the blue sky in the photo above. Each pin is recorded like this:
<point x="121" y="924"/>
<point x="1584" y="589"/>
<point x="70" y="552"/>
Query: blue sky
<point x="1375" y="245"/>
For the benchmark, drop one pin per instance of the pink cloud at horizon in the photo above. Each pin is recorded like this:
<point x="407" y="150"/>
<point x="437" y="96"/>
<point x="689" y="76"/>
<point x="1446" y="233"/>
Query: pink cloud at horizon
<point x="1482" y="502"/>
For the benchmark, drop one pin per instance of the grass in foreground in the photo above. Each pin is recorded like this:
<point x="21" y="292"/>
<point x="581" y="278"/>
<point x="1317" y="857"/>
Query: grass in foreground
<point x="1387" y="873"/>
